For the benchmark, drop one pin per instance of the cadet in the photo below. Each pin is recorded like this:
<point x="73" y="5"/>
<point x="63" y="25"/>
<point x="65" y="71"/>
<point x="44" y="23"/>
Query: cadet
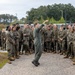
<point x="9" y="44"/>
<point x="48" y="38"/>
<point x="61" y="38"/>
<point x="26" y="35"/>
<point x="45" y="38"/>
<point x="42" y="37"/>
<point x="30" y="38"/>
<point x="55" y="32"/>
<point x="16" y="38"/>
<point x="20" y="39"/>
<point x="68" y="31"/>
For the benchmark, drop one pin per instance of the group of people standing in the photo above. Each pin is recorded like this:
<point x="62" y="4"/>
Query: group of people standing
<point x="49" y="38"/>
<point x="38" y="38"/>
<point x="16" y="40"/>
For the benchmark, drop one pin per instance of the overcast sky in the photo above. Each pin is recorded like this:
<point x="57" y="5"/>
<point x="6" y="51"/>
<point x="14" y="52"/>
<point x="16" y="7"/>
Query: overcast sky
<point x="22" y="6"/>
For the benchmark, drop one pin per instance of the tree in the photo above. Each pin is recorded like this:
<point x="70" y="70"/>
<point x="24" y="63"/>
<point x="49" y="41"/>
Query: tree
<point x="41" y="20"/>
<point x="61" y="20"/>
<point x="52" y="11"/>
<point x="7" y="18"/>
<point x="52" y="20"/>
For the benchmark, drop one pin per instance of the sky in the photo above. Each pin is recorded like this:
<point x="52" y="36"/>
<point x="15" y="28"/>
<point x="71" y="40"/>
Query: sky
<point x="20" y="7"/>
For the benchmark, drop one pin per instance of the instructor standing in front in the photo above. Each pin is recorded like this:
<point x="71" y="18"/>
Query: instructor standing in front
<point x="37" y="42"/>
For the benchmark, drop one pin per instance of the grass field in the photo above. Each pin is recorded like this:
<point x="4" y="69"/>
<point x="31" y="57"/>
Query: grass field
<point x="3" y="59"/>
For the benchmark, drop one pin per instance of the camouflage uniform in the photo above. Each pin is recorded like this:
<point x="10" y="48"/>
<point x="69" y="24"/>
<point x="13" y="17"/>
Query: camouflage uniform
<point x="55" y="39"/>
<point x="10" y="44"/>
<point x="48" y="40"/>
<point x="20" y="39"/>
<point x="45" y="42"/>
<point x="61" y="38"/>
<point x="16" y="38"/>
<point x="69" y="43"/>
<point x="31" y="43"/>
<point x="26" y="35"/>
<point x="42" y="37"/>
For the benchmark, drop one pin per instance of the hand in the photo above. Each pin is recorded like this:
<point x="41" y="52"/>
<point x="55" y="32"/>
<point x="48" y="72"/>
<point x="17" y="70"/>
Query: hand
<point x="45" y="21"/>
<point x="24" y="34"/>
<point x="4" y="38"/>
<point x="61" y="39"/>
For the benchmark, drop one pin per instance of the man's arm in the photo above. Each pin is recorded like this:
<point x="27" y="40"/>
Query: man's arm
<point x="38" y="29"/>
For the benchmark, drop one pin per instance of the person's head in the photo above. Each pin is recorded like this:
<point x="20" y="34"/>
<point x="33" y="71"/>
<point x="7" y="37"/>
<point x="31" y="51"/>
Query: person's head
<point x="72" y="29"/>
<point x="14" y="25"/>
<point x="8" y="28"/>
<point x="48" y="27"/>
<point x="25" y="26"/>
<point x="61" y="27"/>
<point x="3" y="30"/>
<point x="55" y="26"/>
<point x="13" y="28"/>
<point x="17" y="24"/>
<point x="69" y="27"/>
<point x="17" y="28"/>
<point x="36" y="25"/>
<point x="28" y="26"/>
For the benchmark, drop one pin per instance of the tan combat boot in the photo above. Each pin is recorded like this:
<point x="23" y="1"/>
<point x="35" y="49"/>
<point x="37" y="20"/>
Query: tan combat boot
<point x="11" y="58"/>
<point x="73" y="59"/>
<point x="66" y="56"/>
<point x="73" y="63"/>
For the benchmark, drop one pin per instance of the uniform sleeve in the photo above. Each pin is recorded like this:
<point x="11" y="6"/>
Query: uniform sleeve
<point x="10" y="39"/>
<point x="64" y="35"/>
<point x="18" y="35"/>
<point x="38" y="29"/>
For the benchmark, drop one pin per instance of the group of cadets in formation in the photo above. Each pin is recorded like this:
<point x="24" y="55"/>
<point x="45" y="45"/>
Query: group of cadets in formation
<point x="17" y="40"/>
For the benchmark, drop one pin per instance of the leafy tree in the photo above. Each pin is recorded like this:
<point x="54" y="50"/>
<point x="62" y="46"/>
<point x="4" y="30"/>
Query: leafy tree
<point x="56" y="11"/>
<point x="61" y="20"/>
<point x="7" y="18"/>
<point x="52" y="20"/>
<point x="41" y="20"/>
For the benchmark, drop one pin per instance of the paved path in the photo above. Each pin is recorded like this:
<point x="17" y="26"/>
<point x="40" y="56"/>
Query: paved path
<point x="51" y="64"/>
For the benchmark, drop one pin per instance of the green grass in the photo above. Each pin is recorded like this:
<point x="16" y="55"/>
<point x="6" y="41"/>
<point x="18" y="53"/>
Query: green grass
<point x="3" y="63"/>
<point x="3" y="59"/>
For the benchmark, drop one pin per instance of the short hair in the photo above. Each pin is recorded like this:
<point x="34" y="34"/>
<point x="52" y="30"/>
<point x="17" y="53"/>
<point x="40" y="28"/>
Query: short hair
<point x="17" y="23"/>
<point x="35" y="24"/>
<point x="14" y="25"/>
<point x="7" y="27"/>
<point x="17" y="28"/>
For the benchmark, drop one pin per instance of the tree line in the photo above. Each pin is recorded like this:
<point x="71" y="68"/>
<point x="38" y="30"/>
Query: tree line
<point x="7" y="18"/>
<point x="55" y="13"/>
